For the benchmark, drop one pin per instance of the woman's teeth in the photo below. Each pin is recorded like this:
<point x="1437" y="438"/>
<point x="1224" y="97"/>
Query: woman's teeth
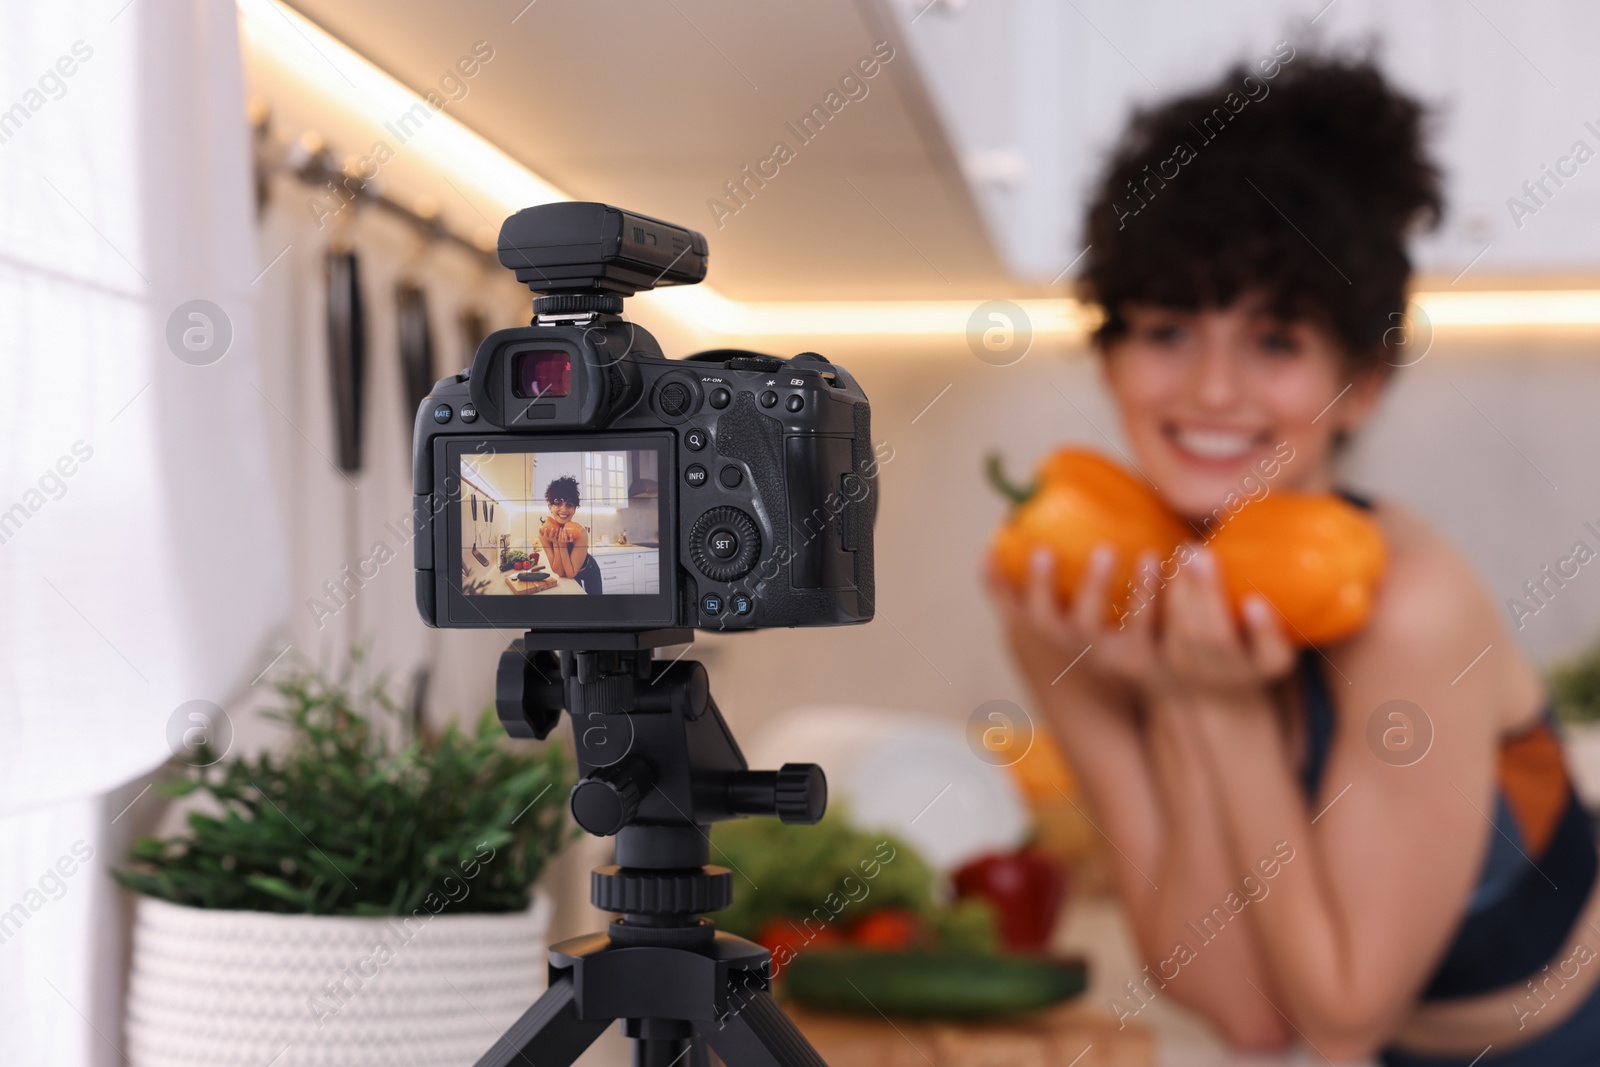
<point x="1215" y="444"/>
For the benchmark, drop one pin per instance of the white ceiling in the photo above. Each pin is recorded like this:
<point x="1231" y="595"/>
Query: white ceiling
<point x="962" y="173"/>
<point x="1033" y="92"/>
<point x="654" y="104"/>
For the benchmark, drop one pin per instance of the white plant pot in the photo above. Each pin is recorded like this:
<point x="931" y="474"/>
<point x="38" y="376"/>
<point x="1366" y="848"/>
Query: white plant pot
<point x="218" y="988"/>
<point x="1583" y="761"/>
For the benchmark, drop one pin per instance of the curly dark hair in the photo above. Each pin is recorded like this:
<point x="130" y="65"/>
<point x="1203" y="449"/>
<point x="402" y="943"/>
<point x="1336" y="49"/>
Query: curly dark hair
<point x="1301" y="184"/>
<point x="562" y="488"/>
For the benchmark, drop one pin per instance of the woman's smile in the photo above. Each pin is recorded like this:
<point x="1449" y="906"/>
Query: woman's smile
<point x="1214" y="447"/>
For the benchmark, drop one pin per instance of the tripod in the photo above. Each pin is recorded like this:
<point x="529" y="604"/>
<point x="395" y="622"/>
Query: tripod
<point x="658" y="765"/>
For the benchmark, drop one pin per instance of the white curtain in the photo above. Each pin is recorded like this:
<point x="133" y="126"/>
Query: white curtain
<point x="141" y="544"/>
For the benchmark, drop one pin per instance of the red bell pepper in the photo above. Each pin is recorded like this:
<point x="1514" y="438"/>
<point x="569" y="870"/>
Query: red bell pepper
<point x="1026" y="889"/>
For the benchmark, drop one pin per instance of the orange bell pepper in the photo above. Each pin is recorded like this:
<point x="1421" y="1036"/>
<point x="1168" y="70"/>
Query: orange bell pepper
<point x="1314" y="557"/>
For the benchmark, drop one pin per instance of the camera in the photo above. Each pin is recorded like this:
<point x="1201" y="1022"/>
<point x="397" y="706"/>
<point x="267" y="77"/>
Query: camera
<point x="575" y="478"/>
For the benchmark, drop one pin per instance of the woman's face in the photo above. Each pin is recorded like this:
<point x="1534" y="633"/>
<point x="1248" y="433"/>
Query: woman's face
<point x="563" y="510"/>
<point x="1212" y="400"/>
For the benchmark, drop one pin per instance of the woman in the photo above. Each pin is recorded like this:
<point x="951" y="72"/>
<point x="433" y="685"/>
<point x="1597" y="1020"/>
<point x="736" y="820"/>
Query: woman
<point x="566" y="543"/>
<point x="1435" y="908"/>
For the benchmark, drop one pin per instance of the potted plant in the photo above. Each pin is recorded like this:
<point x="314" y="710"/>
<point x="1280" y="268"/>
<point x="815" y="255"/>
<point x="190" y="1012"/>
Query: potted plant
<point x="353" y="899"/>
<point x="1576" y="688"/>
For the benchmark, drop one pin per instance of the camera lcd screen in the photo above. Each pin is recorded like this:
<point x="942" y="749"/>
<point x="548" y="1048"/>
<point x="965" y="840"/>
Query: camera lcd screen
<point x="547" y="524"/>
<point x="546" y="373"/>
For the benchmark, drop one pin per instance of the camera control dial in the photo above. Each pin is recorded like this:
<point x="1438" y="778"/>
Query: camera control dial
<point x="724" y="544"/>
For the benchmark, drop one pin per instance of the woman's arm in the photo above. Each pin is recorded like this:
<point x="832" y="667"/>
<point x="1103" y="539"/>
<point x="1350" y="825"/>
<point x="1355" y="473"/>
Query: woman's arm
<point x="1145" y="792"/>
<point x="577" y="546"/>
<point x="1383" y="866"/>
<point x="1212" y="967"/>
<point x="555" y="549"/>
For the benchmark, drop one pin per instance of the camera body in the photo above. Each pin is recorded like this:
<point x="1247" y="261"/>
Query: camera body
<point x="576" y="479"/>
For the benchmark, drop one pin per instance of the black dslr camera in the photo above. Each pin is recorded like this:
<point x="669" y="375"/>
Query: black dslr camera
<point x="575" y="479"/>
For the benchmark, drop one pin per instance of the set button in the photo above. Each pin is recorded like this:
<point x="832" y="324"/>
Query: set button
<point x="723" y="542"/>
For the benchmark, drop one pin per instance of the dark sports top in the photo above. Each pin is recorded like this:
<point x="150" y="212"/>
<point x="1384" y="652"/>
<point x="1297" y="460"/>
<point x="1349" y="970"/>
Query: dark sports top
<point x="1541" y="863"/>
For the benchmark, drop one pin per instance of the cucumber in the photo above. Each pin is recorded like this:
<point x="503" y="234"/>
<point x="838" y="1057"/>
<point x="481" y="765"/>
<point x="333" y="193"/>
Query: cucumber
<point x="951" y="984"/>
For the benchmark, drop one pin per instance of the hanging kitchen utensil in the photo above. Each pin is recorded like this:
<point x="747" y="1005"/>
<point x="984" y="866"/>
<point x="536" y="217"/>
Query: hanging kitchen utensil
<point x="474" y="328"/>
<point x="347" y="355"/>
<point x="477" y="554"/>
<point x="416" y="350"/>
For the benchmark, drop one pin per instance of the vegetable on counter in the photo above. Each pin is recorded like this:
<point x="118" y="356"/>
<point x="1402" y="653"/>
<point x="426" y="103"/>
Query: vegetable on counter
<point x="1316" y="558"/>
<point x="801" y="887"/>
<point x="784" y="938"/>
<point x="895" y="929"/>
<point x="949" y="984"/>
<point x="1027" y="889"/>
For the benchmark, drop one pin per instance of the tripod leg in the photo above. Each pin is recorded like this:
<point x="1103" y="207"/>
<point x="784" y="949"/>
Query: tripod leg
<point x="759" y="1034"/>
<point x="549" y="1034"/>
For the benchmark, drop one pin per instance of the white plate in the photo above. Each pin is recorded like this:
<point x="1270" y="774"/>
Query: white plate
<point x="903" y="773"/>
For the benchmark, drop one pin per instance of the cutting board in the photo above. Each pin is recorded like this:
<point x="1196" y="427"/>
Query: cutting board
<point x="523" y="588"/>
<point x="1068" y="1035"/>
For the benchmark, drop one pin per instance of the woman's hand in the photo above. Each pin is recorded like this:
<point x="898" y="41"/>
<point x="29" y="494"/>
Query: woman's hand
<point x="1049" y="640"/>
<point x="1175" y="638"/>
<point x="560" y="534"/>
<point x="1199" y="651"/>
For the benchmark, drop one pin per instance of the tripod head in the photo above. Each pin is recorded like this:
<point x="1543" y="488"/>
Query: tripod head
<point x="658" y="766"/>
<point x="657" y="761"/>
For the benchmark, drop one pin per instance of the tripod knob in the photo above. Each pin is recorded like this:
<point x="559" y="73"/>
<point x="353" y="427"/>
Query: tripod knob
<point x="798" y="793"/>
<point x="607" y="799"/>
<point x="802" y="793"/>
<point x="527" y="692"/>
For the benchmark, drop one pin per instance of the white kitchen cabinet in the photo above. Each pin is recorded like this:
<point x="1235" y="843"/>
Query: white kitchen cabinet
<point x="628" y="568"/>
<point x="616" y="571"/>
<point x="647" y="572"/>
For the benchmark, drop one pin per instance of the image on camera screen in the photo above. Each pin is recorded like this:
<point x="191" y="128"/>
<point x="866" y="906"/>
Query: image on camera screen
<point x="557" y="523"/>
